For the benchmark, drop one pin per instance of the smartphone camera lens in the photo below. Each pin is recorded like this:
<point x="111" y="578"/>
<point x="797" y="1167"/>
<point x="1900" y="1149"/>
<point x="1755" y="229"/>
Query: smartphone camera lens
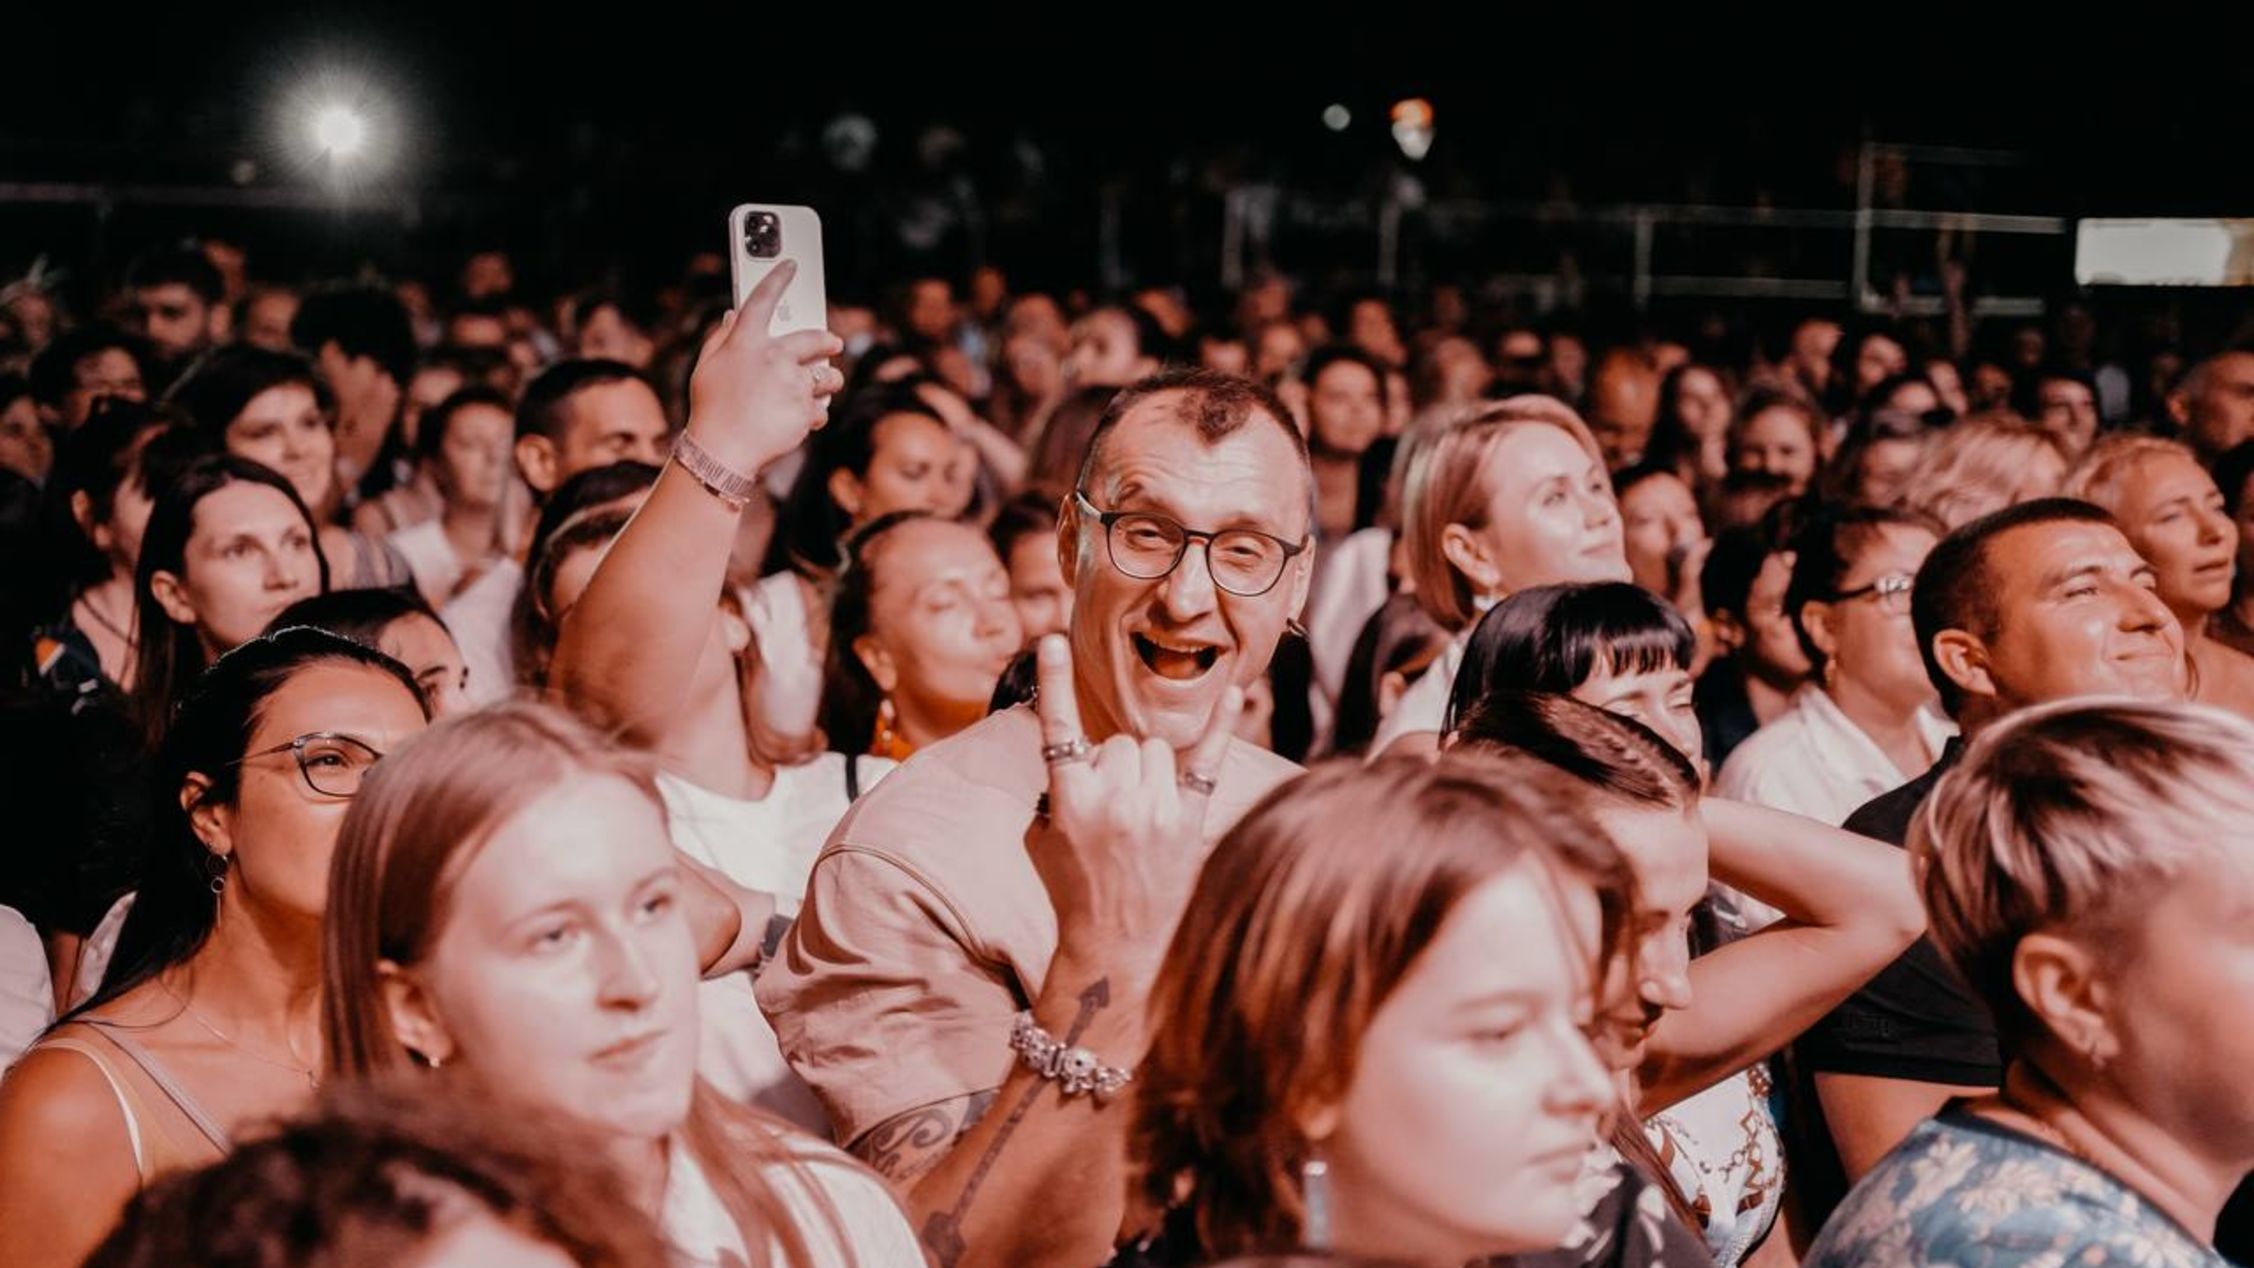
<point x="763" y="235"/>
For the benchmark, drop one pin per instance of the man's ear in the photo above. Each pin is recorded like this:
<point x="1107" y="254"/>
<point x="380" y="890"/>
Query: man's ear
<point x="1068" y="541"/>
<point x="1964" y="658"/>
<point x="538" y="463"/>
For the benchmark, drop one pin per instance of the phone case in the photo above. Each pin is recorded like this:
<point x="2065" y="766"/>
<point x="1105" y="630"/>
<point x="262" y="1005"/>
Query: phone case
<point x="763" y="235"/>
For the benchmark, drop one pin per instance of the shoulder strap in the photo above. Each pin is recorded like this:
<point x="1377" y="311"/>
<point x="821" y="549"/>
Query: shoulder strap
<point x="125" y="1099"/>
<point x="178" y="1095"/>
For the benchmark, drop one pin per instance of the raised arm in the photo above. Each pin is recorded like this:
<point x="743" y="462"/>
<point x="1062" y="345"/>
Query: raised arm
<point x="1041" y="1177"/>
<point x="628" y="649"/>
<point x="1849" y="909"/>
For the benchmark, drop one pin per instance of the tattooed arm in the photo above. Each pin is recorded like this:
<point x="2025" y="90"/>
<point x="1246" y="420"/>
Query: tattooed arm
<point x="1042" y="1177"/>
<point x="906" y="1146"/>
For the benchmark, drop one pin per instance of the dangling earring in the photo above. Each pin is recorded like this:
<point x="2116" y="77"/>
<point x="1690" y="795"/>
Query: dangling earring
<point x="888" y="742"/>
<point x="1314" y="1194"/>
<point x="218" y="869"/>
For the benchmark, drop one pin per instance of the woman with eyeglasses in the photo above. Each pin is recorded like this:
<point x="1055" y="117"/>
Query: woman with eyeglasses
<point x="1867" y="724"/>
<point x="209" y="1018"/>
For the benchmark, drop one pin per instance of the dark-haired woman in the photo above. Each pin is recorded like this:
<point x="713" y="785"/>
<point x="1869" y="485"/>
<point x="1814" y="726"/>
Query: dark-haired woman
<point x="271" y="408"/>
<point x="1867" y="724"/>
<point x="208" y="1019"/>
<point x="228" y="546"/>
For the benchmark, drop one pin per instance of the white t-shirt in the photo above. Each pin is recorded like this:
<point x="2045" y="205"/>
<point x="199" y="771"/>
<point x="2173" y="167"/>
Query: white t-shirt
<point x="868" y="1230"/>
<point x="27" y="993"/>
<point x="479" y="618"/>
<point x="768" y="845"/>
<point x="430" y="556"/>
<point x="1814" y="761"/>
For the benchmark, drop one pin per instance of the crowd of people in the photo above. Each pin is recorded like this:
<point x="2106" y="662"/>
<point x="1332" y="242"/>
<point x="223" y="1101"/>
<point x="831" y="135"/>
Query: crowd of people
<point x="1023" y="779"/>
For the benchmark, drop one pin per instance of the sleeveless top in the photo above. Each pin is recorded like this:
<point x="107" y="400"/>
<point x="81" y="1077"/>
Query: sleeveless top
<point x="169" y="1131"/>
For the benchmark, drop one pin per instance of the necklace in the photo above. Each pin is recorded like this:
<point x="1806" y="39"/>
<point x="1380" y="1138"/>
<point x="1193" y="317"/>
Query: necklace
<point x="102" y="619"/>
<point x="311" y="1080"/>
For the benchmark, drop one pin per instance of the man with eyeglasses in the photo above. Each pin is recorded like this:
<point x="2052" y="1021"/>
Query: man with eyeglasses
<point x="931" y="959"/>
<point x="2038" y="602"/>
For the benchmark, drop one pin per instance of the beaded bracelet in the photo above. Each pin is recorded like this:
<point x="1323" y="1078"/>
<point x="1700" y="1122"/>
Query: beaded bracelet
<point x="1075" y="1069"/>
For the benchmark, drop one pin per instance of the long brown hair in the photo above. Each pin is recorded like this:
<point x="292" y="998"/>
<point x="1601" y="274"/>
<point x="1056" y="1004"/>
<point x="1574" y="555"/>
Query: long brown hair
<point x="423" y="813"/>
<point x="1306" y="918"/>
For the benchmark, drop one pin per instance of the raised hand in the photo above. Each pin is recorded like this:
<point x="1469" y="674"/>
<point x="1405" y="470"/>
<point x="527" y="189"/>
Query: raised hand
<point x="1126" y="821"/>
<point x="755" y="396"/>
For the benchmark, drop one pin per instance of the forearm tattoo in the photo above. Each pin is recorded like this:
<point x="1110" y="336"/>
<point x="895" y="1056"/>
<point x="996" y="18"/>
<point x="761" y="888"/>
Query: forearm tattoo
<point x="943" y="1233"/>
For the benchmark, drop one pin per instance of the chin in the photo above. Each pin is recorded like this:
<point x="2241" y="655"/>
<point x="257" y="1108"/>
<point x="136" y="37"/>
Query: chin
<point x="643" y="1113"/>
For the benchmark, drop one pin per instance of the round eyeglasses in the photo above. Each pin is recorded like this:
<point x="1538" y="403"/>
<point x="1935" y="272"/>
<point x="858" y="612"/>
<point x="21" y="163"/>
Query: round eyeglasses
<point x="332" y="763"/>
<point x="1146" y="546"/>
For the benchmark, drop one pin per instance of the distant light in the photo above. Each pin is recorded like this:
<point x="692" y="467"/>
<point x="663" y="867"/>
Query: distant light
<point x="339" y="130"/>
<point x="1337" y="117"/>
<point x="1412" y="127"/>
<point x="243" y="172"/>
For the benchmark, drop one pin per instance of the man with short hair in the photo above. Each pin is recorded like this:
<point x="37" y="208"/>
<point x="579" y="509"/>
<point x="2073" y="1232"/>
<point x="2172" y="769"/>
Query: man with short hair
<point x="176" y="296"/>
<point x="82" y="368"/>
<point x="2037" y="602"/>
<point x="2214" y="403"/>
<point x="577" y="416"/>
<point x="364" y="346"/>
<point x="932" y="940"/>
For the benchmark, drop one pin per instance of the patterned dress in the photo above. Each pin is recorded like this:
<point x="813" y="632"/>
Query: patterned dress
<point x="1967" y="1192"/>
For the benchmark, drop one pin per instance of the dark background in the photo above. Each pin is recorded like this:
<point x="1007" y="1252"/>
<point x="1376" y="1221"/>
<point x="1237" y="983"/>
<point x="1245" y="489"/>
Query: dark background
<point x="608" y="140"/>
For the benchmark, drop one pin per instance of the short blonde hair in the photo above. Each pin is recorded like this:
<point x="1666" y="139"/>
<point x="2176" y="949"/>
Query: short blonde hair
<point x="2103" y="474"/>
<point x="1975" y="468"/>
<point x="1447" y="485"/>
<point x="2070" y="817"/>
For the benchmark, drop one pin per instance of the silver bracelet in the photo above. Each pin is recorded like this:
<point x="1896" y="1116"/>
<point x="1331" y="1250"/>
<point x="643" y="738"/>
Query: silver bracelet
<point x="1075" y="1069"/>
<point x="734" y="489"/>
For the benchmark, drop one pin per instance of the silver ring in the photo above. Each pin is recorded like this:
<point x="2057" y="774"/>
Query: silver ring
<point x="1076" y="749"/>
<point x="1202" y="785"/>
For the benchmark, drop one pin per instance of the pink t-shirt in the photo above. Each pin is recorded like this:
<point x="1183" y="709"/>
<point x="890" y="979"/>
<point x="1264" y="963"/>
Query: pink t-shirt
<point x="926" y="929"/>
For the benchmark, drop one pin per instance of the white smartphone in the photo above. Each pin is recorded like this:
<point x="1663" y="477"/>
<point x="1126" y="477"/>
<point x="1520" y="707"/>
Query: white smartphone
<point x="761" y="236"/>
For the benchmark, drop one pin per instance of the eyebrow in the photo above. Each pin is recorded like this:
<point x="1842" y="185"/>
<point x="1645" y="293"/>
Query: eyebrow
<point x="1132" y="490"/>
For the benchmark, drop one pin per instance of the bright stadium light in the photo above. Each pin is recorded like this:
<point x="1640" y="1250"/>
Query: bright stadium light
<point x="339" y="130"/>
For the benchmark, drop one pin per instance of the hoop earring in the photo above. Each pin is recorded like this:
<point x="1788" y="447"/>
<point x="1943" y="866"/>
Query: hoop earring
<point x="218" y="869"/>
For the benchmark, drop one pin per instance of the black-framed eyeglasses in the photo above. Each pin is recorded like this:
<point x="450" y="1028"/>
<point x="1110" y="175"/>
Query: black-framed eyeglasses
<point x="332" y="762"/>
<point x="1892" y="593"/>
<point x="1146" y="546"/>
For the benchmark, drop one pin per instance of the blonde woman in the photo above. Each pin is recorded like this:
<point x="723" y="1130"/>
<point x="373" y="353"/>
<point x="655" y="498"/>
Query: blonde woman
<point x="1512" y="496"/>
<point x="506" y="912"/>
<point x="2169" y="508"/>
<point x="2087" y="871"/>
<point x="1985" y="463"/>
